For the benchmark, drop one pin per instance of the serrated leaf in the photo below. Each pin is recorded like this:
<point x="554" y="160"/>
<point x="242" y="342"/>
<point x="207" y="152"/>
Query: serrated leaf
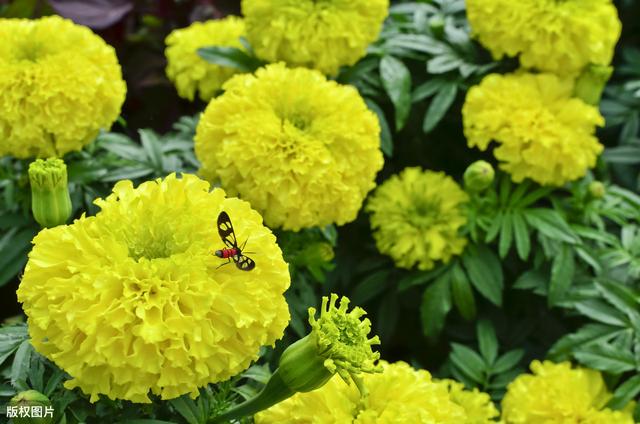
<point x="606" y="358"/>
<point x="462" y="293"/>
<point x="506" y="235"/>
<point x="230" y="57"/>
<point x="487" y="341"/>
<point x="436" y="304"/>
<point x="588" y="334"/>
<point x="601" y="312"/>
<point x="625" y="393"/>
<point x="521" y="233"/>
<point x="370" y="287"/>
<point x="485" y="272"/>
<point x="439" y="106"/>
<point x="386" y="140"/>
<point x="562" y="270"/>
<point x="468" y="361"/>
<point x="20" y="366"/>
<point x="396" y="80"/>
<point x="551" y="224"/>
<point x="507" y="361"/>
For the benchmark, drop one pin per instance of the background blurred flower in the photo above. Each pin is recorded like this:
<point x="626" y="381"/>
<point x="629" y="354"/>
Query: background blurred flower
<point x="188" y="71"/>
<point x="303" y="150"/>
<point x="61" y="84"/>
<point x="544" y="133"/>
<point x="416" y="216"/>
<point x="132" y="300"/>
<point x="557" y="393"/>
<point x="320" y="35"/>
<point x="556" y="36"/>
<point x="400" y="395"/>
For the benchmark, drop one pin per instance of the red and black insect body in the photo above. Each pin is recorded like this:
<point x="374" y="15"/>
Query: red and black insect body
<point x="232" y="251"/>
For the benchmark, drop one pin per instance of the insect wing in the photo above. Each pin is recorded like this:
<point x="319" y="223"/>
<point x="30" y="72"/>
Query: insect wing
<point x="245" y="263"/>
<point x="225" y="229"/>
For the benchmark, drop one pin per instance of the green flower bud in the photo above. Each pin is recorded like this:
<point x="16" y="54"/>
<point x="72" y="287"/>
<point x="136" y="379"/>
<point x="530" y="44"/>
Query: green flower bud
<point x="436" y="24"/>
<point x="338" y="343"/>
<point x="478" y="176"/>
<point x="597" y="190"/>
<point x="36" y="404"/>
<point x="50" y="201"/>
<point x="591" y="82"/>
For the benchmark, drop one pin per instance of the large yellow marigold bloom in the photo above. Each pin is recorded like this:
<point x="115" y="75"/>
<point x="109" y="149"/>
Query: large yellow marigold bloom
<point x="60" y="85"/>
<point x="558" y="393"/>
<point x="416" y="216"/>
<point x="550" y="35"/>
<point x="544" y="133"/>
<point x="303" y="150"/>
<point x="323" y="35"/>
<point x="400" y="395"/>
<point x="132" y="299"/>
<point x="188" y="71"/>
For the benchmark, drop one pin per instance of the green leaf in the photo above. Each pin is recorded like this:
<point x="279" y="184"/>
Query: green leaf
<point x="396" y="80"/>
<point x="531" y="280"/>
<point x="629" y="155"/>
<point x="443" y="63"/>
<point x="494" y="228"/>
<point x="11" y="337"/>
<point x="386" y="141"/>
<point x="427" y="89"/>
<point x="417" y="278"/>
<point x="521" y="232"/>
<point x="463" y="296"/>
<point x="508" y="361"/>
<point x="436" y="304"/>
<point x="20" y="366"/>
<point x="606" y="358"/>
<point x="370" y="287"/>
<point x="188" y="409"/>
<point x="153" y="149"/>
<point x="387" y="318"/>
<point x="145" y="421"/>
<point x="587" y="334"/>
<point x="485" y="272"/>
<point x="439" y="106"/>
<point x="468" y="361"/>
<point x="487" y="341"/>
<point x="623" y="299"/>
<point x="601" y="312"/>
<point x="562" y="270"/>
<point x="626" y="392"/>
<point x="506" y="235"/>
<point x="551" y="224"/>
<point x="230" y="57"/>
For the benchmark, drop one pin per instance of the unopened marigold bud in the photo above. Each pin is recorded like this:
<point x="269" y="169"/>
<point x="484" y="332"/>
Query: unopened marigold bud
<point x="597" y="190"/>
<point x="50" y="201"/>
<point x="338" y="343"/>
<point x="35" y="403"/>
<point x="590" y="84"/>
<point x="478" y="176"/>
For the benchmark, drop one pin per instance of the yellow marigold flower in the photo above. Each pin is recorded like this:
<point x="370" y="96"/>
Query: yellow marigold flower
<point x="416" y="216"/>
<point x="188" y="71"/>
<point x="477" y="405"/>
<point x="544" y="133"/>
<point x="550" y="35"/>
<point x="61" y="84"/>
<point x="132" y="299"/>
<point x="399" y="395"/>
<point x="303" y="150"/>
<point x="558" y="393"/>
<point x="322" y="35"/>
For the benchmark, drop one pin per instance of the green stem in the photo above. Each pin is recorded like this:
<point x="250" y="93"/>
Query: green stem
<point x="274" y="392"/>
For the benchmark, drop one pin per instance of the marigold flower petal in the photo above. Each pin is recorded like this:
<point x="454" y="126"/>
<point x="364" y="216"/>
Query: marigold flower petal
<point x="319" y="35"/>
<point x="61" y="84"/>
<point x="188" y="71"/>
<point x="543" y="133"/>
<point x="555" y="36"/>
<point x="303" y="150"/>
<point x="132" y="301"/>
<point x="416" y="216"/>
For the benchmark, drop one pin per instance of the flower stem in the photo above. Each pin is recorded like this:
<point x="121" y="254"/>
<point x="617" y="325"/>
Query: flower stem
<point x="274" y="392"/>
